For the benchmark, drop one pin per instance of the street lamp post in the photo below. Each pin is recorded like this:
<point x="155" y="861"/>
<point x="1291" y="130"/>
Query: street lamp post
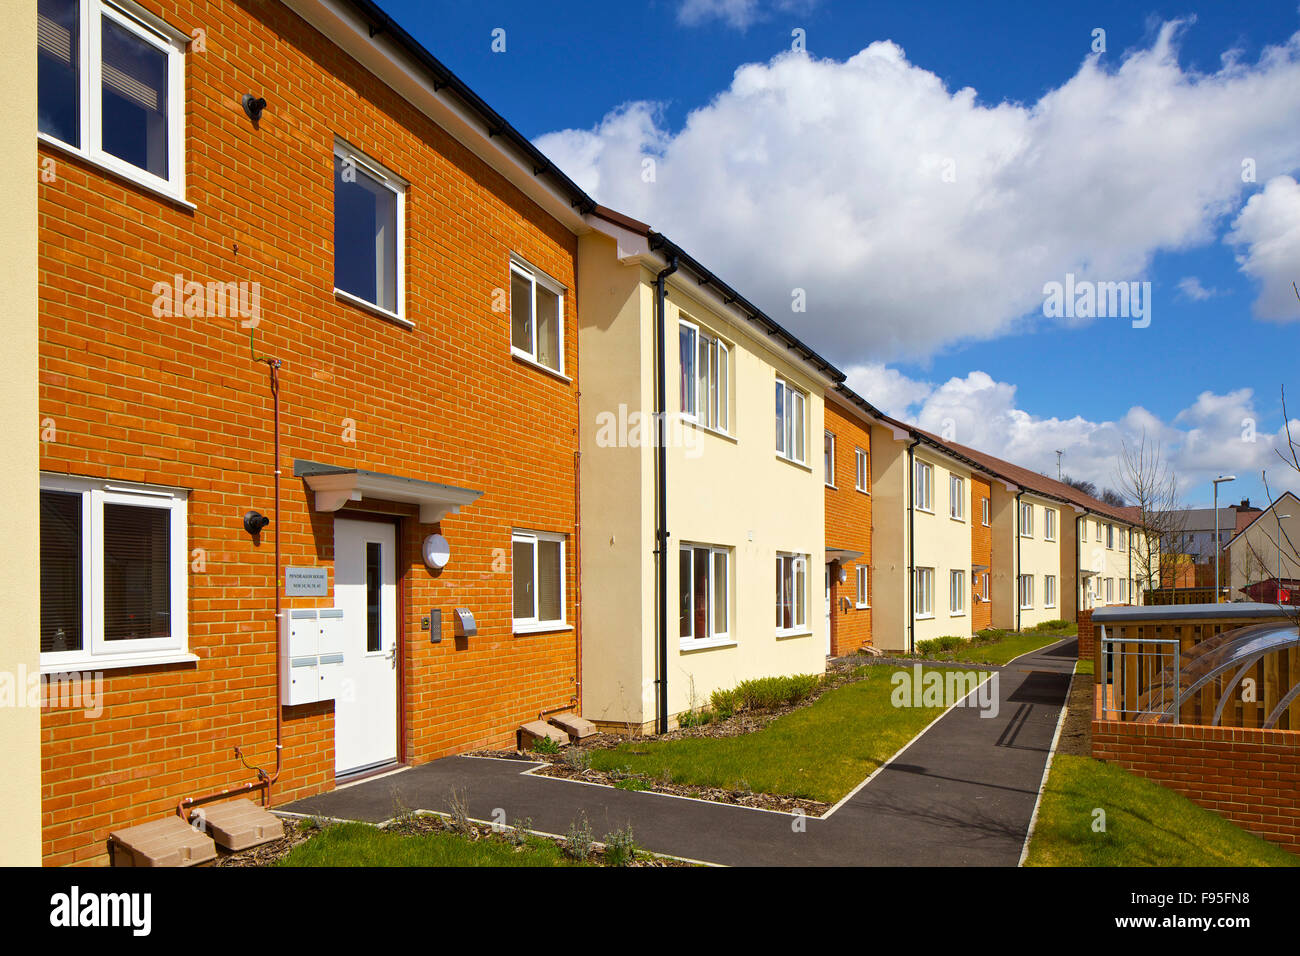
<point x="1218" y="581"/>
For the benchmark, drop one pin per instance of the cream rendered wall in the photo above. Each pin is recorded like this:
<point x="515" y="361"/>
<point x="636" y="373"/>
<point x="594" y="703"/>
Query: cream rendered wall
<point x="943" y="543"/>
<point x="1254" y="553"/>
<point x="1002" y="587"/>
<point x="1108" y="563"/>
<point x="617" y="489"/>
<point x="733" y="491"/>
<point x="1041" y="557"/>
<point x="20" y="726"/>
<point x="889" y="560"/>
<point x="1070" y="581"/>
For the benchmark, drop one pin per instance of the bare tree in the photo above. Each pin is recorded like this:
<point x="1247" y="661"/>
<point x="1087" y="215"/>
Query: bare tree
<point x="1146" y="479"/>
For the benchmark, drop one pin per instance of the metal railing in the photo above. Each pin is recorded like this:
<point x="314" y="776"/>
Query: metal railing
<point x="1139" y="679"/>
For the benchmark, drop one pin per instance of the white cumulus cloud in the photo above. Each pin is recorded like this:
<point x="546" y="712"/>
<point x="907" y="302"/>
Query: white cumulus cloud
<point x="1269" y="229"/>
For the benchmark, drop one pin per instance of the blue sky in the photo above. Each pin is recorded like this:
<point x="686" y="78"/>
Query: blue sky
<point x="568" y="70"/>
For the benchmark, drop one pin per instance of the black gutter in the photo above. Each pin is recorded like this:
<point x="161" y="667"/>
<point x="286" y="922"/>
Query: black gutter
<point x="911" y="548"/>
<point x="494" y="123"/>
<point x="658" y="241"/>
<point x="661" y="480"/>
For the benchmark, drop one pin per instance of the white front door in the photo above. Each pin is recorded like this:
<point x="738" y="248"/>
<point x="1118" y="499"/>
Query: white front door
<point x="365" y="588"/>
<point x="828" y="610"/>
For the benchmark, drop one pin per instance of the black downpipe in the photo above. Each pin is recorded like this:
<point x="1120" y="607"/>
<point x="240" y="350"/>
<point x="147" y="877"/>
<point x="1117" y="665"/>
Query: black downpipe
<point x="1078" y="563"/>
<point x="1019" y="573"/>
<point x="911" y="547"/>
<point x="661" y="480"/>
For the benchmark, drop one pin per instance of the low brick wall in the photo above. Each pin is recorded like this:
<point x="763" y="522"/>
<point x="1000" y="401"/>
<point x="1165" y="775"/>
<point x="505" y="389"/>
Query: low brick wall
<point x="1087" y="640"/>
<point x="1251" y="777"/>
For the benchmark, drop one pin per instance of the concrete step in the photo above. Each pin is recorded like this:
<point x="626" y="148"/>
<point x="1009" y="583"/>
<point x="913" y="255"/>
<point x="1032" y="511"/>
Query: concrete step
<point x="166" y="842"/>
<point x="238" y="824"/>
<point x="576" y="727"/>
<point x="536" y="729"/>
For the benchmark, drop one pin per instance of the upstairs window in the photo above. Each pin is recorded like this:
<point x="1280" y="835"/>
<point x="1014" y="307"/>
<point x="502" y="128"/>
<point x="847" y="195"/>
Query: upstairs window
<point x="1049" y="524"/>
<point x="790" y="422"/>
<point x="863" y="464"/>
<point x="536" y="317"/>
<point x="924" y="486"/>
<point x="1026" y="520"/>
<point x="369" y="209"/>
<point x="705" y="377"/>
<point x="957" y="498"/>
<point x="984" y="511"/>
<point x="110" y="86"/>
<point x="828" y="455"/>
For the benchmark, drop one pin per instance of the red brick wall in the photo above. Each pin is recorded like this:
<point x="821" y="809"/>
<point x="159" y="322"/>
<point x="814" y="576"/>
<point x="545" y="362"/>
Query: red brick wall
<point x="848" y="526"/>
<point x="981" y="551"/>
<point x="1087" y="636"/>
<point x="1251" y="777"/>
<point x="177" y="401"/>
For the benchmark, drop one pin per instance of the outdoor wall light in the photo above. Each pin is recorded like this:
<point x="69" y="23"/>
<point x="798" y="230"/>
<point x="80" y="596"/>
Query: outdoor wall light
<point x="253" y="106"/>
<point x="437" y="552"/>
<point x="255" y="522"/>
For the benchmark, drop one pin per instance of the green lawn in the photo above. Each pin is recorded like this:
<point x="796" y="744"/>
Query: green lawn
<point x="819" y="752"/>
<point x="997" y="647"/>
<point x="356" y="844"/>
<point x="1146" y="824"/>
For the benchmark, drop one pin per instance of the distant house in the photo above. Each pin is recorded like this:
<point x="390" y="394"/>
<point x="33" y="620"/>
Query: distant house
<point x="1266" y="550"/>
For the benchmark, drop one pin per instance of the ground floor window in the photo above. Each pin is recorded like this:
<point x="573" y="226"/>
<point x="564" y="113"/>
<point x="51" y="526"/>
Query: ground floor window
<point x="113" y="572"/>
<point x="791" y="593"/>
<point x="704" y="583"/>
<point x="864" y="585"/>
<point x="957" y="592"/>
<point x="1026" y="591"/>
<point x="538" y="574"/>
<point x="1049" y="591"/>
<point x="923" y="592"/>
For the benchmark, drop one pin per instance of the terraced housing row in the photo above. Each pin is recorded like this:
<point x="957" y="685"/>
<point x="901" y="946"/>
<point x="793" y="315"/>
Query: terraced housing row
<point x="367" y="436"/>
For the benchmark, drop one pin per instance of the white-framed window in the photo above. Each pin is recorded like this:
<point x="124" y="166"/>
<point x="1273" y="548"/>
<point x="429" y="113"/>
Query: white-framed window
<point x="862" y="481"/>
<point x="984" y="511"/>
<point x="704" y="586"/>
<point x="984" y="593"/>
<point x="1110" y="537"/>
<point x="1026" y="520"/>
<point x="369" y="233"/>
<point x="705" y="367"/>
<point x="536" y="316"/>
<point x="791" y="412"/>
<point x="1110" y="590"/>
<point x="1049" y="590"/>
<point x="864" y="585"/>
<point x="957" y="593"/>
<point x="538" y="572"/>
<point x="923" y="592"/>
<point x="923" y="483"/>
<point x="957" y="498"/>
<point x="114" y="574"/>
<point x="1049" y="524"/>
<point x="1098" y="530"/>
<point x="1123" y="539"/>
<point x="791" y="593"/>
<point x="111" y="88"/>
<point x="1123" y="590"/>
<point x="1026" y="591"/>
<point x="828" y="454"/>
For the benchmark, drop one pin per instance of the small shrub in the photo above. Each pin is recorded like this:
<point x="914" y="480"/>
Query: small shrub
<point x="545" y="745"/>
<point x="457" y="818"/>
<point x="940" y="645"/>
<point x="724" y="703"/>
<point x="694" y="718"/>
<point x="1055" y="625"/>
<point x="635" y="784"/>
<point x="579" y="840"/>
<point x="620" y="850"/>
<point x="518" y="833"/>
<point x="768" y="693"/>
<point x="577" y="758"/>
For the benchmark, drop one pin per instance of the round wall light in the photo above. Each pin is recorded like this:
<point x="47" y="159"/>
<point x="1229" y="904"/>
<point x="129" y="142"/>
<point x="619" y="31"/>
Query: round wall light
<point x="437" y="552"/>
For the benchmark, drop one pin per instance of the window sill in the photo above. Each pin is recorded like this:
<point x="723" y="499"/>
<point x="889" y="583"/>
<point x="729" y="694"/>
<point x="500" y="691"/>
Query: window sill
<point x="551" y="628"/>
<point x="112" y="170"/>
<point x="687" y="419"/>
<point x="862" y="607"/>
<point x="527" y="359"/>
<point x="104" y="662"/>
<point x="924" y="511"/>
<point x="956" y="613"/>
<point x="923" y="617"/>
<point x="373" y="309"/>
<point x="690" y="644"/>
<point x="864" y="491"/>
<point x="794" y="461"/>
<point x="781" y="635"/>
<point x="831" y="486"/>
<point x="956" y="519"/>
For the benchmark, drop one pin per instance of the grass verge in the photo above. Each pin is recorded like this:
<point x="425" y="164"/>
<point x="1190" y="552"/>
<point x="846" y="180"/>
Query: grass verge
<point x="819" y="752"/>
<point x="1146" y="824"/>
<point x="994" y="646"/>
<point x="356" y="844"/>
